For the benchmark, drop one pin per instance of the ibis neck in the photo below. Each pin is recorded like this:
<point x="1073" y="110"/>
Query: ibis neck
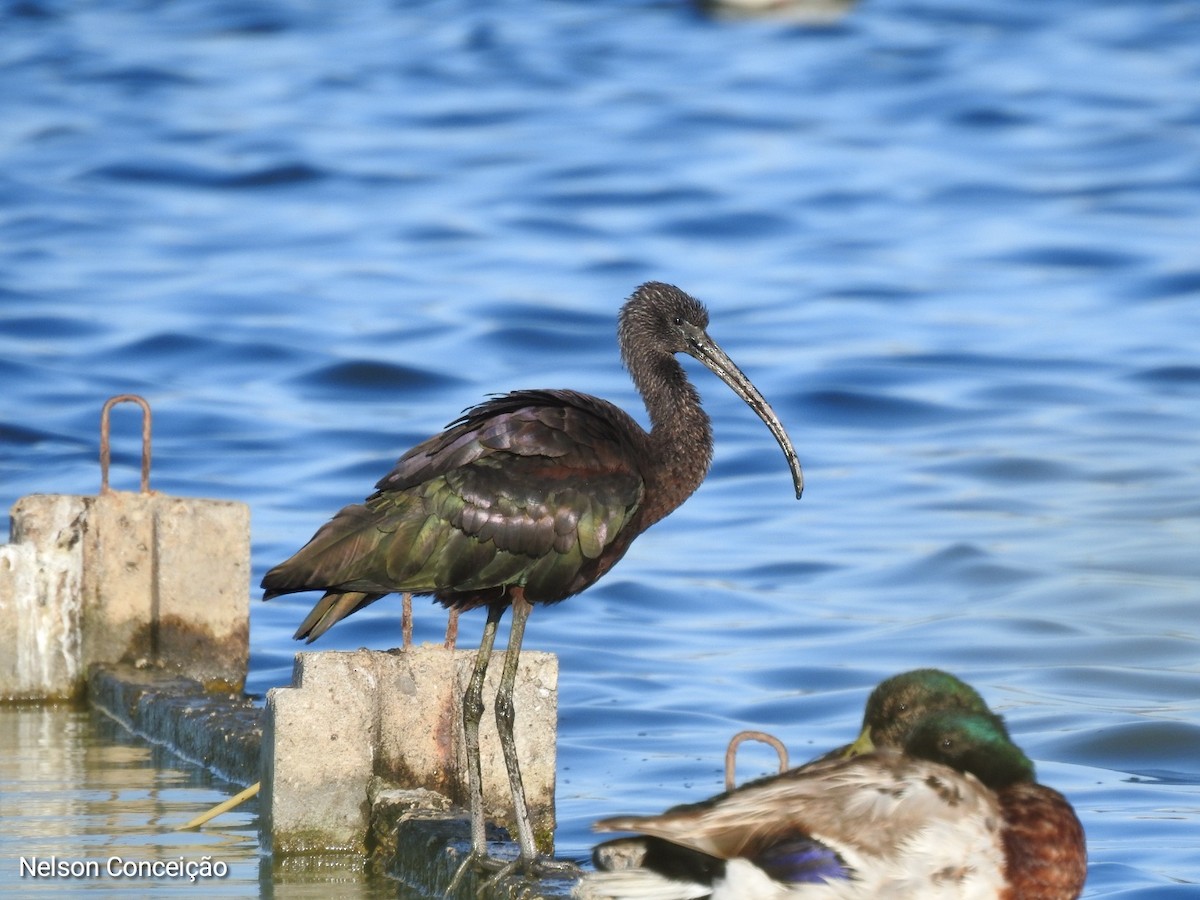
<point x="680" y="438"/>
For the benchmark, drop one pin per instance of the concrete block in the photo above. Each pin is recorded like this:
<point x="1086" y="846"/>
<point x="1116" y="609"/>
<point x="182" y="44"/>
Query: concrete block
<point x="353" y="716"/>
<point x="167" y="579"/>
<point x="41" y="573"/>
<point x="420" y="726"/>
<point x="319" y="742"/>
<point x="122" y="576"/>
<point x="17" y="562"/>
<point x="202" y="561"/>
<point x="119" y="582"/>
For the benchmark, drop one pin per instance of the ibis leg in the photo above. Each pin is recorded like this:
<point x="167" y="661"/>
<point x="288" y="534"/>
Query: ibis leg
<point x="472" y="714"/>
<point x="406" y="619"/>
<point x="530" y="861"/>
<point x="505" y="718"/>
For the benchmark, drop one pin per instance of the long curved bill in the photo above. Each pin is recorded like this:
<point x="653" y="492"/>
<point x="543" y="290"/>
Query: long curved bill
<point x="705" y="349"/>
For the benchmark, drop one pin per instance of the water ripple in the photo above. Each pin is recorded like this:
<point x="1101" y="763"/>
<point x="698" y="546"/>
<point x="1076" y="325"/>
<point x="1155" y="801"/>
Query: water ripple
<point x="191" y="176"/>
<point x="358" y="379"/>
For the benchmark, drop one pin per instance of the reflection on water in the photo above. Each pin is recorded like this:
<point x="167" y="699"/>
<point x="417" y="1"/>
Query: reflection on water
<point x="90" y="808"/>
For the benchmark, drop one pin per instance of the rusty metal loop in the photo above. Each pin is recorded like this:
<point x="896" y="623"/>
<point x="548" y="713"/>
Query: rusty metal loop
<point x="105" y="441"/>
<point x="731" y="753"/>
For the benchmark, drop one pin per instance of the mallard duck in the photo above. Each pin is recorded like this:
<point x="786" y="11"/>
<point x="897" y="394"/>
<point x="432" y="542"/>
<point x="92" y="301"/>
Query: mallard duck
<point x="893" y="708"/>
<point x="899" y="702"/>
<point x="955" y="815"/>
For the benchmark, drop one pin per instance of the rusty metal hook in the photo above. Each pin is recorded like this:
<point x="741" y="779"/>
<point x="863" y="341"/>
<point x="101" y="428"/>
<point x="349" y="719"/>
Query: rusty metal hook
<point x="105" y="444"/>
<point x="731" y="753"/>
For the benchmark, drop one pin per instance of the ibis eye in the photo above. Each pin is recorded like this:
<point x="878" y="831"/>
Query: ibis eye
<point x="679" y="320"/>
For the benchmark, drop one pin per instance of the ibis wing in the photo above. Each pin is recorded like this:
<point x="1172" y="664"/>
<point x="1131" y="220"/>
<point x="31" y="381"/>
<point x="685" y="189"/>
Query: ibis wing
<point x="531" y="488"/>
<point x="521" y="491"/>
<point x="338" y="556"/>
<point x="577" y="429"/>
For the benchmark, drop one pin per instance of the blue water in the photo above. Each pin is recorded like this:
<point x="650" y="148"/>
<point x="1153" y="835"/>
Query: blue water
<point x="954" y="243"/>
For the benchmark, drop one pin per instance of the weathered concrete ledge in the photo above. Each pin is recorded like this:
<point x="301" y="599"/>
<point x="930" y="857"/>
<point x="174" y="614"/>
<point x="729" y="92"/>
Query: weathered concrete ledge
<point x="220" y="732"/>
<point x="411" y="834"/>
<point x="353" y="716"/>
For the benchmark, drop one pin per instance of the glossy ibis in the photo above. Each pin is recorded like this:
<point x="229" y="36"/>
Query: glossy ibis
<point x="528" y="498"/>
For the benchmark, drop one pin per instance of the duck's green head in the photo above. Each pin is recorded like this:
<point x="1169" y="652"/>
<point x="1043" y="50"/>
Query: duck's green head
<point x="898" y="703"/>
<point x="970" y="742"/>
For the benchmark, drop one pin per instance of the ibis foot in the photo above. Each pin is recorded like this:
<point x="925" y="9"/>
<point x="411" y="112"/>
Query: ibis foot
<point x="538" y="867"/>
<point x="498" y="869"/>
